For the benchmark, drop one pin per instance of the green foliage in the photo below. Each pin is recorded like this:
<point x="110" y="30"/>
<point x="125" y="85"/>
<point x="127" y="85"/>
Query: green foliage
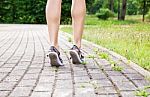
<point x="104" y="14"/>
<point x="91" y="56"/>
<point x="23" y="11"/>
<point x="148" y="16"/>
<point x="132" y="7"/>
<point x="30" y="11"/>
<point x="95" y="6"/>
<point x="117" y="68"/>
<point x="143" y="92"/>
<point x="65" y="14"/>
<point x="104" y="55"/>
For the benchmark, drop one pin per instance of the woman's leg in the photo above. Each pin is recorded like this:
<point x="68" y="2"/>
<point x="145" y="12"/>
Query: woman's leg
<point x="53" y="13"/>
<point x="78" y="12"/>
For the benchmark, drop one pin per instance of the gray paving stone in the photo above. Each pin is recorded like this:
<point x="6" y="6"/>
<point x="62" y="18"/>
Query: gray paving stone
<point x="41" y="94"/>
<point x="128" y="94"/>
<point x="135" y="76"/>
<point x="80" y="73"/>
<point x="17" y="72"/>
<point x="83" y="85"/>
<point x="105" y="90"/>
<point x="119" y="78"/>
<point x="2" y="75"/>
<point x="66" y="76"/>
<point x="84" y="92"/>
<point x="110" y="95"/>
<point x="63" y="93"/>
<point x="125" y="85"/>
<point x="43" y="87"/>
<point x="98" y="76"/>
<point x="9" y="65"/>
<point x="5" y="70"/>
<point x="21" y="91"/>
<point x="46" y="79"/>
<point x="30" y="76"/>
<point x="81" y="79"/>
<point x="33" y="71"/>
<point x="113" y="73"/>
<point x="104" y="83"/>
<point x="64" y="84"/>
<point x="7" y="86"/>
<point x="35" y="65"/>
<point x="4" y="93"/>
<point x="129" y="71"/>
<point x="141" y="83"/>
<point x="27" y="83"/>
<point x="12" y="78"/>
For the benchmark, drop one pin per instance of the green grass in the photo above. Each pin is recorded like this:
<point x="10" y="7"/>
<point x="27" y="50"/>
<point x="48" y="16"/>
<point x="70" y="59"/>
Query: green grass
<point x="143" y="92"/>
<point x="130" y="38"/>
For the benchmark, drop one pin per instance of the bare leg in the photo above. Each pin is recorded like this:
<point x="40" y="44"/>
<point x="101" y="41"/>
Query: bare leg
<point x="78" y="11"/>
<point x="53" y="12"/>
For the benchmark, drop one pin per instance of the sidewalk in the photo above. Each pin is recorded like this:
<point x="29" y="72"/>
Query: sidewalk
<point x="25" y="70"/>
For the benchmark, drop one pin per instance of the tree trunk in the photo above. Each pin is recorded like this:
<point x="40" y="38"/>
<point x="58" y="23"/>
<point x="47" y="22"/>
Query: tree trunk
<point x="111" y="5"/>
<point x="123" y="11"/>
<point x="144" y="6"/>
<point x="118" y="9"/>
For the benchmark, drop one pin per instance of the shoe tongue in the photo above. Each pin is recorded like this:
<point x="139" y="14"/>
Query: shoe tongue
<point x="75" y="47"/>
<point x="52" y="48"/>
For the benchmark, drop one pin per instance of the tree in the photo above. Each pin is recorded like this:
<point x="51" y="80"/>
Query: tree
<point x="118" y="9"/>
<point x="123" y="10"/>
<point x="111" y="5"/>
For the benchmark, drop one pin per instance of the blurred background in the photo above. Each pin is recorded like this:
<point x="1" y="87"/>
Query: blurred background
<point x="33" y="11"/>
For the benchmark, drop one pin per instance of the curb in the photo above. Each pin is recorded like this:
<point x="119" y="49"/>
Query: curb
<point x="135" y="66"/>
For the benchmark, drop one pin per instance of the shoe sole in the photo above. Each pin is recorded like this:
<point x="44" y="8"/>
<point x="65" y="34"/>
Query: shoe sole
<point x="75" y="57"/>
<point x="54" y="59"/>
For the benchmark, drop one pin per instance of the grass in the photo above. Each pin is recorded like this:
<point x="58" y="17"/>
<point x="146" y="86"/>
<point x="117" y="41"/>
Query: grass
<point x="130" y="38"/>
<point x="143" y="92"/>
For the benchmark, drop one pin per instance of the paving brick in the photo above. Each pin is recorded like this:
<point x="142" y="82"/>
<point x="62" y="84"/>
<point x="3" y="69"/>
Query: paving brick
<point x="33" y="71"/>
<point x="64" y="84"/>
<point x="5" y="70"/>
<point x="27" y="83"/>
<point x="105" y="90"/>
<point x="30" y="76"/>
<point x="128" y="94"/>
<point x="46" y="79"/>
<point x="84" y="92"/>
<point x="43" y="87"/>
<point x="125" y="85"/>
<point x="4" y="93"/>
<point x="21" y="91"/>
<point x="41" y="94"/>
<point x="63" y="93"/>
<point x="12" y="78"/>
<point x="7" y="86"/>
<point x="81" y="79"/>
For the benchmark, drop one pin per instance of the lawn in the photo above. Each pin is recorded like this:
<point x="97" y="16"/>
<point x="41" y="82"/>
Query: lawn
<point x="130" y="38"/>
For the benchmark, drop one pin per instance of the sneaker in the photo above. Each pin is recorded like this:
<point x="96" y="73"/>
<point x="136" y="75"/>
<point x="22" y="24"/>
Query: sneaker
<point x="54" y="56"/>
<point x="76" y="55"/>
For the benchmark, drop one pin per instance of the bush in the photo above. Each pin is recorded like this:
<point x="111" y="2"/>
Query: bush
<point x="104" y="14"/>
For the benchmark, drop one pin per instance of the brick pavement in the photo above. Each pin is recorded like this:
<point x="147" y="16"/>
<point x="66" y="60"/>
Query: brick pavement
<point x="25" y="70"/>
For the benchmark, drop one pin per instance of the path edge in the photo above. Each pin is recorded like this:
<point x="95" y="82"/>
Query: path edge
<point x="133" y="65"/>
